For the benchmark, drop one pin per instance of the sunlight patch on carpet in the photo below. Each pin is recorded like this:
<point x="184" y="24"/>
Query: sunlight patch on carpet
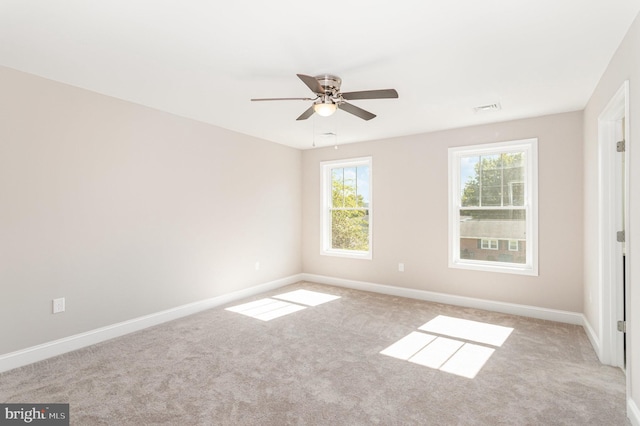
<point x="266" y="309"/>
<point x="283" y="304"/>
<point x="481" y="332"/>
<point x="437" y="352"/>
<point x="444" y="351"/>
<point x="468" y="360"/>
<point x="408" y="346"/>
<point x="307" y="297"/>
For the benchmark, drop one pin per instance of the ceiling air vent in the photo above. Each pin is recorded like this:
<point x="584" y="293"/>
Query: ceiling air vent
<point x="487" y="108"/>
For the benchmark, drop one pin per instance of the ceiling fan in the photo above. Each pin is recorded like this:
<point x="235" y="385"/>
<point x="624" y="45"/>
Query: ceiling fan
<point x="329" y="98"/>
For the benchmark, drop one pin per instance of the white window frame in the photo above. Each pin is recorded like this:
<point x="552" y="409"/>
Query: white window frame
<point x="325" y="208"/>
<point x="516" y="245"/>
<point x="530" y="148"/>
<point x="489" y="245"/>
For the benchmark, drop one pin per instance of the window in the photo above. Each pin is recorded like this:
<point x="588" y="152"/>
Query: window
<point x="489" y="244"/>
<point x="493" y="207"/>
<point x="346" y="208"/>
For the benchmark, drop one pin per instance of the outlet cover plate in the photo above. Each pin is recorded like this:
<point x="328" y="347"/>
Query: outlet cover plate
<point x="58" y="305"/>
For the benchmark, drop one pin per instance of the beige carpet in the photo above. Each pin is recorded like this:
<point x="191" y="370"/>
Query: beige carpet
<point x="322" y="366"/>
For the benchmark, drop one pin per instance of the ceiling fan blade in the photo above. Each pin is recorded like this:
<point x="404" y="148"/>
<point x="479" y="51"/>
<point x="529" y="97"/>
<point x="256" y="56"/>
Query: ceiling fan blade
<point x="352" y="109"/>
<point x="371" y="94"/>
<point x="308" y="113"/>
<point x="284" y="99"/>
<point x="311" y="83"/>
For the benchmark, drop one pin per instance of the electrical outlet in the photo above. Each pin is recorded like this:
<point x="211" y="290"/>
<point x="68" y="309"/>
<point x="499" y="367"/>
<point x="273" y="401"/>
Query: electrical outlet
<point x="400" y="267"/>
<point x="58" y="305"/>
<point x="257" y="266"/>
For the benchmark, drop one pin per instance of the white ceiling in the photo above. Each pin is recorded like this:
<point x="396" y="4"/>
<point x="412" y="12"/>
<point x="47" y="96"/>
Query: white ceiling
<point x="205" y="59"/>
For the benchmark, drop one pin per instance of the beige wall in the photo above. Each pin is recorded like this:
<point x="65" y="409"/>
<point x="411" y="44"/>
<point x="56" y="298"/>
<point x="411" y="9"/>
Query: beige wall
<point x="625" y="65"/>
<point x="127" y="211"/>
<point x="411" y="216"/>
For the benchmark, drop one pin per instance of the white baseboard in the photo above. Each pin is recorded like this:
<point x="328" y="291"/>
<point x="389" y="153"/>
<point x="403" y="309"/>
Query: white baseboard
<point x="489" y="305"/>
<point x="593" y="338"/>
<point x="33" y="354"/>
<point x="57" y="347"/>
<point x="633" y="413"/>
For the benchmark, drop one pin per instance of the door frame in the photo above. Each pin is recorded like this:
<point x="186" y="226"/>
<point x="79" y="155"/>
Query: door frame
<point x="610" y="209"/>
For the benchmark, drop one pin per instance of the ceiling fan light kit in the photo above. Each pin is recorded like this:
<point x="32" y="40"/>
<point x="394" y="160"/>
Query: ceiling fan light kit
<point x="329" y="99"/>
<point x="324" y="109"/>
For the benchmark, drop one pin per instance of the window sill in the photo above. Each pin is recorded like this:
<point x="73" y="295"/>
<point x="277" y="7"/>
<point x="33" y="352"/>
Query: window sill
<point x="495" y="267"/>
<point x="347" y="254"/>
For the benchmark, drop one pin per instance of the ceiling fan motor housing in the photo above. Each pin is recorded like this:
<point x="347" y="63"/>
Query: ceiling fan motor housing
<point x="330" y="83"/>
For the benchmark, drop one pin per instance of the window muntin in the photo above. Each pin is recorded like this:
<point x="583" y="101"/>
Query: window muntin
<point x="493" y="207"/>
<point x="346" y="208"/>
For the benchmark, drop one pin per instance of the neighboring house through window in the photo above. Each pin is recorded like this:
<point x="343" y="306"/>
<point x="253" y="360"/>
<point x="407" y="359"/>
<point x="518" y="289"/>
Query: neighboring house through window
<point x="346" y="215"/>
<point x="493" y="207"/>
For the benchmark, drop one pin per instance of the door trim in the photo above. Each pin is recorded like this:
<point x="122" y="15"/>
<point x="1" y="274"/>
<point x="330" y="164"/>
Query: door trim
<point x="610" y="279"/>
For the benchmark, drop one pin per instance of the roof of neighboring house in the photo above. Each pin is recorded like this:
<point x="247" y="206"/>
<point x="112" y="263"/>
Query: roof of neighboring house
<point x="495" y="229"/>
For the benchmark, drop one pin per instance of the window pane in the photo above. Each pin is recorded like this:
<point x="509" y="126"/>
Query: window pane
<point x="362" y="189"/>
<point x="485" y="235"/>
<point x="513" y="179"/>
<point x="489" y="176"/>
<point x="350" y="186"/>
<point x="350" y="230"/>
<point x="337" y="186"/>
<point x="516" y="193"/>
<point x="469" y="191"/>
